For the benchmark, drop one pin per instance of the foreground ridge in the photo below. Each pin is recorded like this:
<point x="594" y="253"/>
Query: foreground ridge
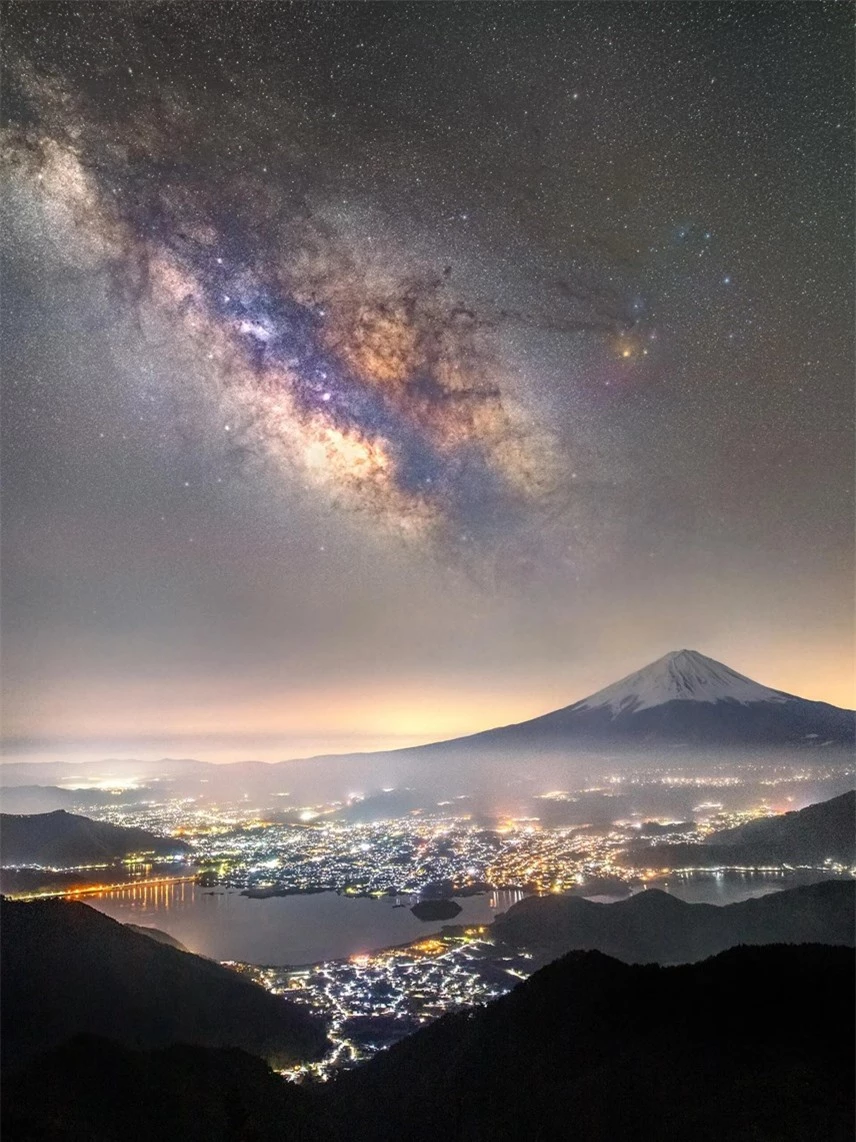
<point x="754" y="1043"/>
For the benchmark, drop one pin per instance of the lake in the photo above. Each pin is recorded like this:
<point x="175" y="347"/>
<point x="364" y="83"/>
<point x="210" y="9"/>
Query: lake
<point x="282" y="929"/>
<point x="305" y="929"/>
<point x="729" y="887"/>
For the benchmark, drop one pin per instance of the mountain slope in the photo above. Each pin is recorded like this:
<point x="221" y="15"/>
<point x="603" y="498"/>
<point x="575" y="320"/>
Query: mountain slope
<point x="32" y="799"/>
<point x="157" y="935"/>
<point x="62" y="839"/>
<point x="683" y="697"/>
<point x="682" y="676"/>
<point x="756" y="1044"/>
<point x="654" y="927"/>
<point x="823" y="828"/>
<point x="812" y="835"/>
<point x="67" y="970"/>
<point x="92" y="1090"/>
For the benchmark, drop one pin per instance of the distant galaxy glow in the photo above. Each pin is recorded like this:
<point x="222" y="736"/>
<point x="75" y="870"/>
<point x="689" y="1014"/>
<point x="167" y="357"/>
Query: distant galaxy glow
<point x="384" y="391"/>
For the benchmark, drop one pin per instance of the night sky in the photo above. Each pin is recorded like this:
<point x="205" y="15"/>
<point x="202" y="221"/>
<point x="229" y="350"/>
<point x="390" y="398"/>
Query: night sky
<point x="374" y="373"/>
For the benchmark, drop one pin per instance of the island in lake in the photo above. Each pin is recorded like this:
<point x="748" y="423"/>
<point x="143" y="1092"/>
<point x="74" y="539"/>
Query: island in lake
<point x="435" y="909"/>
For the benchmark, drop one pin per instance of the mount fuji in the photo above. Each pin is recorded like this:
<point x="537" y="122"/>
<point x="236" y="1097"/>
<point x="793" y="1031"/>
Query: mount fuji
<point x="682" y="698"/>
<point x="684" y="702"/>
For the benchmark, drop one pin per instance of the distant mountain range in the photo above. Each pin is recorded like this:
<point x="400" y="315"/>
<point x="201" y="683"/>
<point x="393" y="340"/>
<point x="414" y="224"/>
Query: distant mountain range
<point x="34" y="798"/>
<point x="31" y="799"/>
<point x="62" y="840"/>
<point x="682" y="701"/>
<point x="812" y="835"/>
<point x="654" y="927"/>
<point x="66" y="969"/>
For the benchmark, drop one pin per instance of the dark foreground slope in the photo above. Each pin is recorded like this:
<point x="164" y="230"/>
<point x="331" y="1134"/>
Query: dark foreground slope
<point x="812" y="835"/>
<point x="654" y="927"/>
<point x="66" y="970"/>
<point x="756" y="1043"/>
<point x="158" y="935"/>
<point x="92" y="1090"/>
<point x="61" y="839"/>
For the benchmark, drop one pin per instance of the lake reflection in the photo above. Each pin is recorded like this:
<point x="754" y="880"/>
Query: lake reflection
<point x="724" y="887"/>
<point x="730" y="886"/>
<point x="282" y="929"/>
<point x="305" y="929"/>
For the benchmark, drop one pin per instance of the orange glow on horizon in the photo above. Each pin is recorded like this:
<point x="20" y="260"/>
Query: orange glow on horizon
<point x="225" y="721"/>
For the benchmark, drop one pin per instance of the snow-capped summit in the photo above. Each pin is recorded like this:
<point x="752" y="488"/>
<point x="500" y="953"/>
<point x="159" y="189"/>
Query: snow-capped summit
<point x="684" y="698"/>
<point x="681" y="676"/>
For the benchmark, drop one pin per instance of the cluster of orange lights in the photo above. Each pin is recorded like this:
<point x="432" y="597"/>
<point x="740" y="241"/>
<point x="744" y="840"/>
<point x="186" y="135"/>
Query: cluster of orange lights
<point x="94" y="889"/>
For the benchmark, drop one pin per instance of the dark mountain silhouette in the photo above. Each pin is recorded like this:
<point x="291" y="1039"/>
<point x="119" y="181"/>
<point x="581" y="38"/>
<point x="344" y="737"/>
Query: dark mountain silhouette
<point x="31" y="799"/>
<point x="94" y="1090"/>
<point x="810" y="831"/>
<point x="807" y="836"/>
<point x="158" y="935"/>
<point x="67" y="969"/>
<point x="755" y="1044"/>
<point x="654" y="927"/>
<point x="64" y="839"/>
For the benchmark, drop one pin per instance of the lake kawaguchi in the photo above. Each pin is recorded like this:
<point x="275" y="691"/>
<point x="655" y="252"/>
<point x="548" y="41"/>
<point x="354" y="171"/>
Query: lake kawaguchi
<point x="302" y="929"/>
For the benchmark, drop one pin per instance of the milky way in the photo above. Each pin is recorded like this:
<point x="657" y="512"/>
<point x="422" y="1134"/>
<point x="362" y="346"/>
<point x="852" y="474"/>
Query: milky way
<point x="385" y="390"/>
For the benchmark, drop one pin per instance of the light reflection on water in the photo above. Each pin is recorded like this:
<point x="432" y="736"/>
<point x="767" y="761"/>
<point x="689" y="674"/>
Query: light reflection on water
<point x="724" y="887"/>
<point x="295" y="930"/>
<point x="730" y="886"/>
<point x="282" y="929"/>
